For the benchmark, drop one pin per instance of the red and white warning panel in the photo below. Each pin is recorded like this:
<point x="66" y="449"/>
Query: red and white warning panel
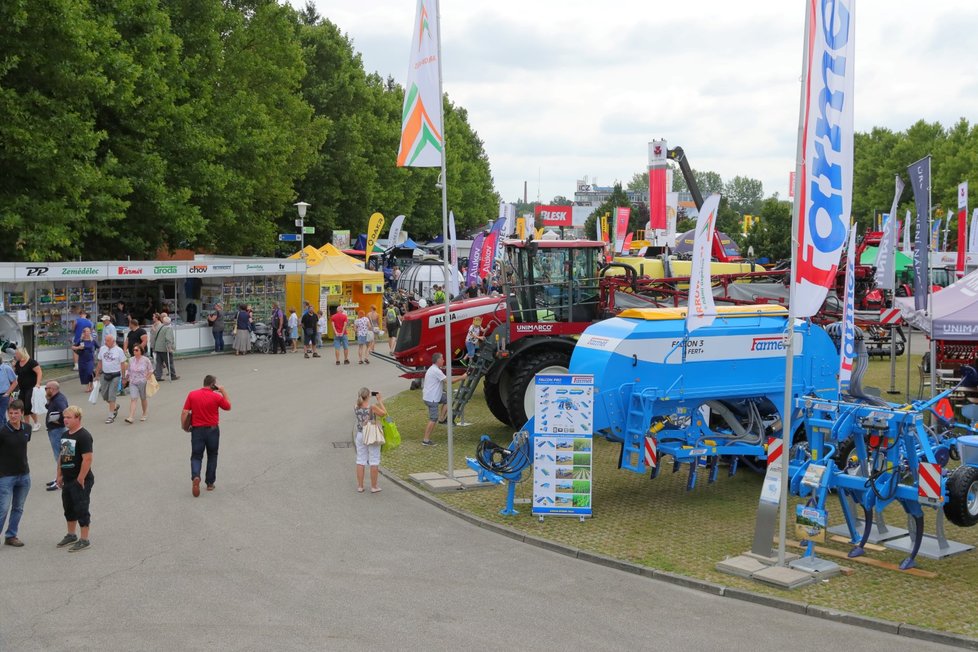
<point x="774" y="449"/>
<point x="651" y="453"/>
<point x="929" y="484"/>
<point x="890" y="316"/>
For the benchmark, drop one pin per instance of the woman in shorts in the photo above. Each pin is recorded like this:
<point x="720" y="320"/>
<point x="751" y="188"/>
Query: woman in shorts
<point x="137" y="376"/>
<point x="364" y="413"/>
<point x="362" y="326"/>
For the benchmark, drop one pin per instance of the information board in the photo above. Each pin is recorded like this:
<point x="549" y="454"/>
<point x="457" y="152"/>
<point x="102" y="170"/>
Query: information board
<point x="562" y="445"/>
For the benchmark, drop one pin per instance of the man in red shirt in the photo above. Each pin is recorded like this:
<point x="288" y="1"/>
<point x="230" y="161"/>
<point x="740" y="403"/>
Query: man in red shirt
<point x="202" y="407"/>
<point x="339" y="335"/>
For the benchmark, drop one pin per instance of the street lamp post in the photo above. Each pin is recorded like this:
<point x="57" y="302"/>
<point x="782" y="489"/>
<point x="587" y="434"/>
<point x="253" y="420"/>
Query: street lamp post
<point x="302" y="206"/>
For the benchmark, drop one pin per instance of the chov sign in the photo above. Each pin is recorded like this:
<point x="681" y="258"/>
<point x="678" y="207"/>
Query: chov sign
<point x="555" y="215"/>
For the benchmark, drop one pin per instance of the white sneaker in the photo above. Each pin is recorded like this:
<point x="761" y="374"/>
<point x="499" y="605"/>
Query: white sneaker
<point x="35" y="427"/>
<point x="75" y="368"/>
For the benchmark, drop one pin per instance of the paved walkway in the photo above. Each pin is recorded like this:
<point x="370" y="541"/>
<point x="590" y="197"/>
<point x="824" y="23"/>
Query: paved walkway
<point x="285" y="555"/>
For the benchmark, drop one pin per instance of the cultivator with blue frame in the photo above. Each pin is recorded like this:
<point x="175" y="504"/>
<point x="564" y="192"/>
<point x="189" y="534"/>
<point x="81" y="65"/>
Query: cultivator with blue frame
<point x="718" y="393"/>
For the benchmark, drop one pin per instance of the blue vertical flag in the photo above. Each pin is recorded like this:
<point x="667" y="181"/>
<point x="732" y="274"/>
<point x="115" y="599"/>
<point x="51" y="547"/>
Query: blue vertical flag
<point x="920" y="182"/>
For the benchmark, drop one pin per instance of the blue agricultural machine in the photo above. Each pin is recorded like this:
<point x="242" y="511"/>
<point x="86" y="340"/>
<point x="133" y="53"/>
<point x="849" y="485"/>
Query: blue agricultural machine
<point x="718" y="394"/>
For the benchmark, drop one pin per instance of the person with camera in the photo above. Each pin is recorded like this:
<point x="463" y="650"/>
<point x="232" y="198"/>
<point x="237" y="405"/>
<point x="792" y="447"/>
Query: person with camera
<point x="365" y="413"/>
<point x="202" y="409"/>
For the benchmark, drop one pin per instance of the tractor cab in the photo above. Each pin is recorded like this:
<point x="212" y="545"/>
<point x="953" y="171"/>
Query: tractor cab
<point x="552" y="280"/>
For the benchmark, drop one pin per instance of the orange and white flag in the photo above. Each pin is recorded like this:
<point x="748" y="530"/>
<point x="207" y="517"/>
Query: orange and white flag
<point x="422" y="137"/>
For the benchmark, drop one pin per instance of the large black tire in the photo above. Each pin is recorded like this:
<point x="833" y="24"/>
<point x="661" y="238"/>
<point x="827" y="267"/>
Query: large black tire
<point x="521" y="373"/>
<point x="495" y="402"/>
<point x="962" y="497"/>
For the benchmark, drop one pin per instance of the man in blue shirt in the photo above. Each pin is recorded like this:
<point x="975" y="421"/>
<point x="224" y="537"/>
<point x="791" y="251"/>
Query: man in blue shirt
<point x="7" y="377"/>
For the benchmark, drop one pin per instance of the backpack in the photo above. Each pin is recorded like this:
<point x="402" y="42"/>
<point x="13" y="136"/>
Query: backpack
<point x="391" y="315"/>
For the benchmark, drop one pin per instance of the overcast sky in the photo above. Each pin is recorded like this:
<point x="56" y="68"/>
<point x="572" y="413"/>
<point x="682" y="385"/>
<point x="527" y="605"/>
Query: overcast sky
<point x="562" y="89"/>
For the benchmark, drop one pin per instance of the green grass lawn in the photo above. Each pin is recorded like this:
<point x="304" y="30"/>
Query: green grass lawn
<point x="659" y="524"/>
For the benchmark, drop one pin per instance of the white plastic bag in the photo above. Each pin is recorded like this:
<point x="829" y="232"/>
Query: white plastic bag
<point x="38" y="401"/>
<point x="93" y="397"/>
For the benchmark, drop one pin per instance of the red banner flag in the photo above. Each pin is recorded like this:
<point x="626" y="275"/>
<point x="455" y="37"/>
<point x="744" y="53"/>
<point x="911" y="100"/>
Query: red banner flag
<point x="488" y="252"/>
<point x="657" y="184"/>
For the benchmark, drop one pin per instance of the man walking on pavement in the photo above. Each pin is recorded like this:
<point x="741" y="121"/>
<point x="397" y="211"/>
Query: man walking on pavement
<point x="76" y="480"/>
<point x="111" y="363"/>
<point x="310" y="320"/>
<point x="55" y="422"/>
<point x="15" y="475"/>
<point x="202" y="407"/>
<point x="164" y="345"/>
<point x="434" y="395"/>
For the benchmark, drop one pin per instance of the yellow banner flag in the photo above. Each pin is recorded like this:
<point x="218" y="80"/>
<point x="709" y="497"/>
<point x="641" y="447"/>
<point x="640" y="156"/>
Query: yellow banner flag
<point x="373" y="232"/>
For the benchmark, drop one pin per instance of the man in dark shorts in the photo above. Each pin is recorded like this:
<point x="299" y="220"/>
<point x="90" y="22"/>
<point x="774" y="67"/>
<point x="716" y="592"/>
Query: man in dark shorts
<point x="310" y="321"/>
<point x="202" y="407"/>
<point x="76" y="479"/>
<point x="393" y="321"/>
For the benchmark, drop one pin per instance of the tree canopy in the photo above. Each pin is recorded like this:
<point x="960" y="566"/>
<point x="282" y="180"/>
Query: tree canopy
<point x="136" y="125"/>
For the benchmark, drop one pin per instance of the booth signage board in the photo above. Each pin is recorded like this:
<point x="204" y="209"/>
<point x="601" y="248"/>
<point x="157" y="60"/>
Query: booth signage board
<point x="373" y="288"/>
<point x="562" y="444"/>
<point x="148" y="269"/>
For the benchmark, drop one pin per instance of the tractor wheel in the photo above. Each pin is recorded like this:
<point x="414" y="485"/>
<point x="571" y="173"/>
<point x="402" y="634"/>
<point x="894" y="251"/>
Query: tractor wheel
<point x="520" y="399"/>
<point x="962" y="500"/>
<point x="495" y="402"/>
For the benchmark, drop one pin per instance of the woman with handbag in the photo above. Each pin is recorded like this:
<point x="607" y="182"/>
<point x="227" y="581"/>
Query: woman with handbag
<point x="137" y="376"/>
<point x="369" y="437"/>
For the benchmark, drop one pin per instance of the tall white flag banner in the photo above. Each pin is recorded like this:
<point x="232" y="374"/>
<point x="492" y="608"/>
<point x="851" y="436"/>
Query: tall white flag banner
<point x="847" y="345"/>
<point x="453" y="280"/>
<point x="963" y="195"/>
<point x="701" y="310"/>
<point x="973" y="234"/>
<point x="906" y="234"/>
<point x="395" y="232"/>
<point x="825" y="188"/>
<point x="886" y="259"/>
<point x="422" y="137"/>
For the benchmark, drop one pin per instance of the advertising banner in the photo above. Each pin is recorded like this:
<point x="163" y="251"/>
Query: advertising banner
<point x="920" y="182"/>
<point x="562" y="450"/>
<point x="341" y="239"/>
<point x="973" y="233"/>
<point x="452" y="282"/>
<point x="421" y="129"/>
<point x="962" y="228"/>
<point x="701" y="310"/>
<point x="487" y="254"/>
<point x="847" y="353"/>
<point x="826" y="123"/>
<point x="886" y="258"/>
<point x="555" y="215"/>
<point x="658" y="152"/>
<point x="374" y="227"/>
<point x="395" y="232"/>
<point x="622" y="213"/>
<point x="475" y="255"/>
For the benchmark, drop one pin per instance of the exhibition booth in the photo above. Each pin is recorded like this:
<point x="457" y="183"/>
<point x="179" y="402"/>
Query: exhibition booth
<point x="45" y="298"/>
<point x="334" y="279"/>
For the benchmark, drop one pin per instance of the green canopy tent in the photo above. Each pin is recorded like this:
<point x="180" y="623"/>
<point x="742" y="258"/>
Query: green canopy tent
<point x="903" y="261"/>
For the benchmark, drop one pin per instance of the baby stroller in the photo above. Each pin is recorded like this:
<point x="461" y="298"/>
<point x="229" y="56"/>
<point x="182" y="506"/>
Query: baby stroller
<point x="261" y="337"/>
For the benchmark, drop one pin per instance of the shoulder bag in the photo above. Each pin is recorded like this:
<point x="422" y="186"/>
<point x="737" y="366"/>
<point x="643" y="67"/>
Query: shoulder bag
<point x="372" y="434"/>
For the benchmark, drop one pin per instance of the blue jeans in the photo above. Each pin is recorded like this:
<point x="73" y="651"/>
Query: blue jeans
<point x="55" y="435"/>
<point x="202" y="439"/>
<point x="13" y="495"/>
<point x="219" y="341"/>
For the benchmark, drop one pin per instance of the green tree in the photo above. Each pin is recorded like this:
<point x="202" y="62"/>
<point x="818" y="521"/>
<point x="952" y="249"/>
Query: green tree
<point x="771" y="235"/>
<point x="615" y="199"/>
<point x="744" y="194"/>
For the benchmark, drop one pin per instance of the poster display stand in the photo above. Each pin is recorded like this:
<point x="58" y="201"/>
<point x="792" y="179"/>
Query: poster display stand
<point x="562" y="445"/>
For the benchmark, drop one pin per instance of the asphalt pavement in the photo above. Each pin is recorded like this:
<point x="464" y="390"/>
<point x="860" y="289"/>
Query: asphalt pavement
<point x="286" y="555"/>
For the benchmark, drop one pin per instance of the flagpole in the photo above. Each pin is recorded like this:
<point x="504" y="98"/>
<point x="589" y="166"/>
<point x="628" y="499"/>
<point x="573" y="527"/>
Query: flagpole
<point x="445" y="252"/>
<point x="789" y="344"/>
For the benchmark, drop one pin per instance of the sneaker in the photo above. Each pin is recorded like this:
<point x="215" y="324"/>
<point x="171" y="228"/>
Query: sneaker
<point x="196" y="487"/>
<point x="75" y="368"/>
<point x="306" y="356"/>
<point x="428" y="442"/>
<point x="52" y="486"/>
<point x="14" y="541"/>
<point x="68" y="540"/>
<point x="174" y="377"/>
<point x="210" y="487"/>
<point x="316" y="355"/>
<point x="35" y="427"/>
<point x="81" y="544"/>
